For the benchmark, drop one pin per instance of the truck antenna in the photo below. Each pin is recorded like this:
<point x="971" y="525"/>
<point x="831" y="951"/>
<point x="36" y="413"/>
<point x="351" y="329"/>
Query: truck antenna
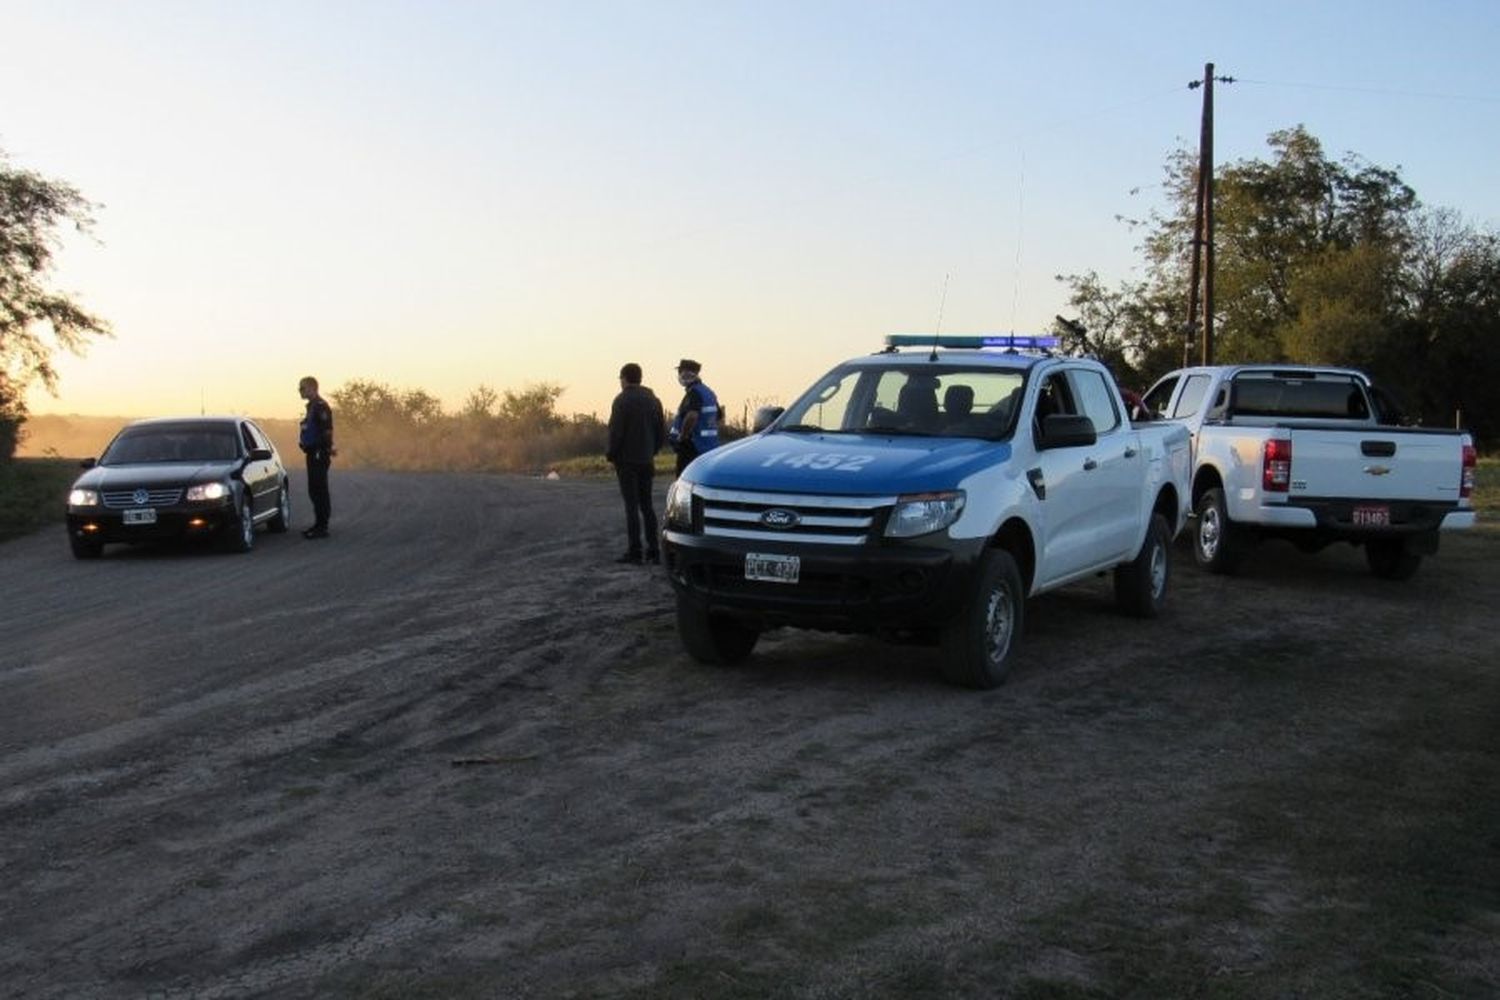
<point x="942" y="303"/>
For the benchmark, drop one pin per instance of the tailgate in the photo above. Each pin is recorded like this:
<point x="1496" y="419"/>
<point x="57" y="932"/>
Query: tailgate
<point x="1376" y="463"/>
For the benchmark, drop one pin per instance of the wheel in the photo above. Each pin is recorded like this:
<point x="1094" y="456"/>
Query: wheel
<point x="1391" y="559"/>
<point x="283" y="517"/>
<point x="240" y="533"/>
<point x="979" y="644"/>
<point x="1141" y="584"/>
<point x="84" y="549"/>
<point x="710" y="638"/>
<point x="1217" y="544"/>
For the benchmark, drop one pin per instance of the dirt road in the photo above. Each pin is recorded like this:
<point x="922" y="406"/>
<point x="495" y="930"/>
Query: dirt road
<point x="455" y="752"/>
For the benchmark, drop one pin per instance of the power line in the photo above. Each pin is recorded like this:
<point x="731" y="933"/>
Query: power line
<point x="1380" y="91"/>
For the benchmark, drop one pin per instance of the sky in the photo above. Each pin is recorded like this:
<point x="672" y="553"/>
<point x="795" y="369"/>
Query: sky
<point x="441" y="195"/>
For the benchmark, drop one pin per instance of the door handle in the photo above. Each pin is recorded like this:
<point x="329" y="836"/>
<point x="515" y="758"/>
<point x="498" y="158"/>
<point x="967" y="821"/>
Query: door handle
<point x="1130" y="453"/>
<point x="1089" y="465"/>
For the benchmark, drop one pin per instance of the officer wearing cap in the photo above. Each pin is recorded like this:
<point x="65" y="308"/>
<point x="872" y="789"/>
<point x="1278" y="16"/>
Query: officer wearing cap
<point x="695" y="429"/>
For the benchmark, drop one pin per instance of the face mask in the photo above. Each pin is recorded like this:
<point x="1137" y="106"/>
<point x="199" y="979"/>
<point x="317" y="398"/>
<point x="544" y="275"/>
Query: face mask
<point x="686" y="378"/>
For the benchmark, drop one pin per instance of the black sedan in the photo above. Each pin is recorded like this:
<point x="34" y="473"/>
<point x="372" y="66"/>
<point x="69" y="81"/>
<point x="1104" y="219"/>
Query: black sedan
<point x="180" y="477"/>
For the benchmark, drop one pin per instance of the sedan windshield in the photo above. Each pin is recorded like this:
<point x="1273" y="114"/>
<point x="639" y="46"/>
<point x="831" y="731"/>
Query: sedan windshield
<point x="171" y="443"/>
<point x="920" y="399"/>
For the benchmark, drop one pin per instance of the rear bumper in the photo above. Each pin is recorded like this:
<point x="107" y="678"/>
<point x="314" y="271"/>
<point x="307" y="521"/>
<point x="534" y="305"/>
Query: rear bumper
<point x="865" y="588"/>
<point x="1334" y="518"/>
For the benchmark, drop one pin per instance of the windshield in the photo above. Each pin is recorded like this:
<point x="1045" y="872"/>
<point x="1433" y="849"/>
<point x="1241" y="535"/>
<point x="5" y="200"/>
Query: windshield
<point x="171" y="443"/>
<point x="921" y="399"/>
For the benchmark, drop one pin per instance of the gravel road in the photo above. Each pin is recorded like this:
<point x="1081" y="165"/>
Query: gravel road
<point x="454" y="751"/>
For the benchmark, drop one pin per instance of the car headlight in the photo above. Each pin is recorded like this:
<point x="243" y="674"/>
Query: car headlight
<point x="83" y="498"/>
<point x="208" y="491"/>
<point x="923" y="513"/>
<point x="680" y="506"/>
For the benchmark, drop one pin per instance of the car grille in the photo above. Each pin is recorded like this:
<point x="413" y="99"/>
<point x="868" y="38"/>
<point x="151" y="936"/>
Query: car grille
<point x="821" y="520"/>
<point x="153" y="498"/>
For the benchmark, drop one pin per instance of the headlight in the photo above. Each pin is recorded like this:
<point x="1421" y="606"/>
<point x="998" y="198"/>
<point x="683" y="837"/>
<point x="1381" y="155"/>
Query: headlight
<point x="83" y="498"/>
<point x="680" y="506"/>
<point x="923" y="513"/>
<point x="208" y="491"/>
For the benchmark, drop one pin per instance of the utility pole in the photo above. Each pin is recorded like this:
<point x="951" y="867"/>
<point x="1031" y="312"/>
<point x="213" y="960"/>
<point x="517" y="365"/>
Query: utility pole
<point x="1203" y="228"/>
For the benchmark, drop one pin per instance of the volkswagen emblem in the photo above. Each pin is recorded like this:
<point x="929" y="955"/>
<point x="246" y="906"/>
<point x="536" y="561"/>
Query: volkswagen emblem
<point x="780" y="518"/>
<point x="140" y="497"/>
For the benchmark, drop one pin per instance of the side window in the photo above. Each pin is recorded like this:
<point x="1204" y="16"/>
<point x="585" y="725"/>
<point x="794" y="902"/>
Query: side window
<point x="1095" y="400"/>
<point x="1159" y="396"/>
<point x="248" y="438"/>
<point x="259" y="437"/>
<point x="1193" y="388"/>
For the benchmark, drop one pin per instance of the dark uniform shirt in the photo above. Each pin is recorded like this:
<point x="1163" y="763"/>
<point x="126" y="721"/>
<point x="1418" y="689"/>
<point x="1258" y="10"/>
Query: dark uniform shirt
<point x="316" y="433"/>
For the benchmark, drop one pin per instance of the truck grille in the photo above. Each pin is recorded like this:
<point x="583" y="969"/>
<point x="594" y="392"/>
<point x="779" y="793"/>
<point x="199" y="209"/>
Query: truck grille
<point x="133" y="498"/>
<point x="820" y="520"/>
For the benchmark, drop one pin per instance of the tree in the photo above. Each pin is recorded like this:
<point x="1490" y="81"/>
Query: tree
<point x="1318" y="261"/>
<point x="34" y="320"/>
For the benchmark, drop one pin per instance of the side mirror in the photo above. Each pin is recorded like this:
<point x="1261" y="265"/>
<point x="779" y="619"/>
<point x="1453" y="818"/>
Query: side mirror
<point x="1066" y="431"/>
<point x="765" y="417"/>
<point x="89" y="463"/>
<point x="260" y="455"/>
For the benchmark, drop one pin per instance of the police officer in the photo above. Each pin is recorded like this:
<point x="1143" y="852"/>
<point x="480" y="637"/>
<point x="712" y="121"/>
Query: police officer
<point x="695" y="429"/>
<point x="316" y="441"/>
<point x="637" y="429"/>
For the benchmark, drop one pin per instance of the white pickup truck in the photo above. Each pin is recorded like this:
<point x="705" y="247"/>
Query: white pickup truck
<point x="926" y="494"/>
<point x="1313" y="455"/>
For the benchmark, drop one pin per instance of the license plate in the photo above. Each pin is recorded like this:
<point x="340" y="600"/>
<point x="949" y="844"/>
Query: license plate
<point x="1372" y="517"/>
<point x="146" y="516"/>
<point x="772" y="568"/>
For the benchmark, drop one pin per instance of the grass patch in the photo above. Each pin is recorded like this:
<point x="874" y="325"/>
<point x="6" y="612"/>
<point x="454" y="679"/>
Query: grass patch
<point x="1487" y="488"/>
<point x="595" y="465"/>
<point x="32" y="493"/>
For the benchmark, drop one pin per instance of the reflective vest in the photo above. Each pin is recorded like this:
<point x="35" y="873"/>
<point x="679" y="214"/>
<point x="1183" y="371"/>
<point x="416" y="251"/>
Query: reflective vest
<point x="706" y="430"/>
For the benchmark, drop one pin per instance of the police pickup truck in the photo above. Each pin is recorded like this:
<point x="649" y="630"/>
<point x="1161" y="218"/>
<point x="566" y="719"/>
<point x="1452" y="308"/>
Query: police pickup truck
<point x="1313" y="455"/>
<point x="925" y="495"/>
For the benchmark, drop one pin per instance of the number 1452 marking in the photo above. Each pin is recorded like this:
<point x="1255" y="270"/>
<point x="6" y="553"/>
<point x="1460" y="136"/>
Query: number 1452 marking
<point x="820" y="460"/>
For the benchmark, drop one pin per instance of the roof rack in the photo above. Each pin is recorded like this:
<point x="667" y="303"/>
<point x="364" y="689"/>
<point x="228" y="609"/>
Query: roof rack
<point x="976" y="341"/>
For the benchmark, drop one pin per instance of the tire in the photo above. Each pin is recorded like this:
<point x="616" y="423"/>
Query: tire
<point x="713" y="639"/>
<point x="85" y="550"/>
<point x="1218" y="546"/>
<point x="1391" y="559"/>
<point x="282" y="520"/>
<point x="1141" y="584"/>
<point x="240" y="533"/>
<point x="978" y="646"/>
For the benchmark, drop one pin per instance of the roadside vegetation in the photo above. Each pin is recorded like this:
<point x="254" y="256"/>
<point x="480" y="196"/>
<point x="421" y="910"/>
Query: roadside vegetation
<point x="32" y="492"/>
<point x="1319" y="261"/>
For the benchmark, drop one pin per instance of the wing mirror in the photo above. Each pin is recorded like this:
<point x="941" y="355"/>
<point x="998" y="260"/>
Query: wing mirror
<point x="89" y="463"/>
<point x="765" y="417"/>
<point x="260" y="454"/>
<point x="1066" y="431"/>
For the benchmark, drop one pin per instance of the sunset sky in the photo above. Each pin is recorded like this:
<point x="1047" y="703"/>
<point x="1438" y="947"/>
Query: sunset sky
<point x="439" y="195"/>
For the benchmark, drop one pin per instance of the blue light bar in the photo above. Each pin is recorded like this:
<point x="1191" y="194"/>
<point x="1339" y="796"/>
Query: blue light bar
<point x="974" y="341"/>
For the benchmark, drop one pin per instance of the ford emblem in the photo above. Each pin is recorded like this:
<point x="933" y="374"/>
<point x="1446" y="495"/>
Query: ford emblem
<point x="780" y="518"/>
<point x="140" y="497"/>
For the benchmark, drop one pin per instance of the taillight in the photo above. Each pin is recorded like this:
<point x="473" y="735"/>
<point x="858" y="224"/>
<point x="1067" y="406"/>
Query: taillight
<point x="1276" y="466"/>
<point x="1466" y="479"/>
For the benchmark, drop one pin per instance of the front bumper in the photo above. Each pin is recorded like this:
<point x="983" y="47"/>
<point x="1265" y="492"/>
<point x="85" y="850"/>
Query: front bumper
<point x="865" y="588"/>
<point x="108" y="525"/>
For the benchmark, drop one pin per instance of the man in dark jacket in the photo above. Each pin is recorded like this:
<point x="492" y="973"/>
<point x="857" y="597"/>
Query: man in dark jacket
<point x="637" y="428"/>
<point x="315" y="438"/>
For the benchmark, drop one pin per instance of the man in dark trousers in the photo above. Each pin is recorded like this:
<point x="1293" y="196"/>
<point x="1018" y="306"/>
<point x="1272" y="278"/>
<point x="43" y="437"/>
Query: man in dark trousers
<point x="695" y="429"/>
<point x="316" y="441"/>
<point x="637" y="428"/>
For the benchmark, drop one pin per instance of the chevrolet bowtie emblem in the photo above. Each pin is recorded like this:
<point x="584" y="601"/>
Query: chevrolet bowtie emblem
<point x="1377" y="470"/>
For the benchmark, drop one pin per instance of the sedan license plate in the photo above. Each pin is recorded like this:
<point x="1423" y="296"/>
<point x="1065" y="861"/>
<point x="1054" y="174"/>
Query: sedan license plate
<point x="772" y="568"/>
<point x="1372" y="517"/>
<point x="145" y="516"/>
